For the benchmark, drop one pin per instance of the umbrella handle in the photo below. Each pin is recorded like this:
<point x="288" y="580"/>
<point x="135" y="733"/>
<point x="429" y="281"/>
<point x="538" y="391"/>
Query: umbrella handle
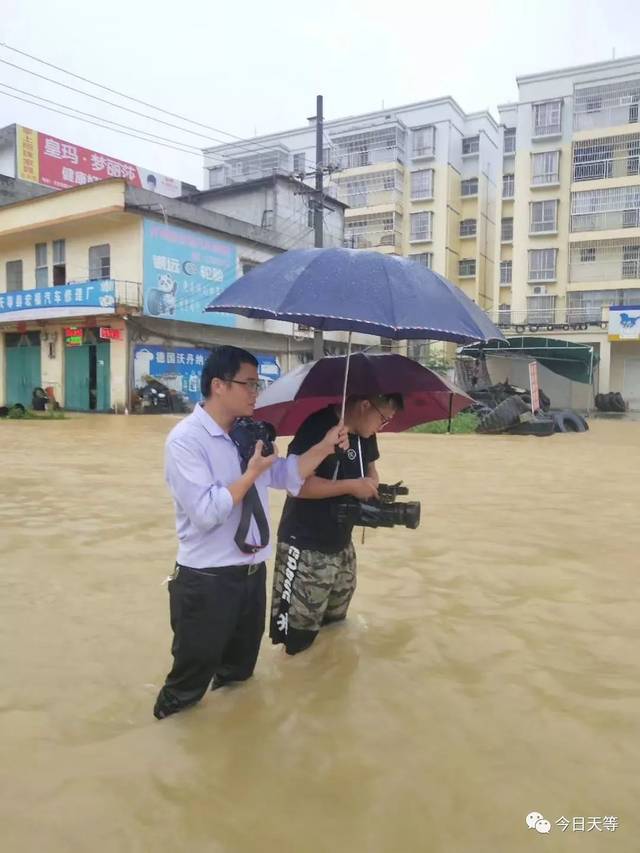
<point x="346" y="377"/>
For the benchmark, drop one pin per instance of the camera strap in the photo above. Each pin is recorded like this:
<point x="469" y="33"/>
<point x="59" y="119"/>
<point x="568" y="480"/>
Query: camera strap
<point x="252" y="508"/>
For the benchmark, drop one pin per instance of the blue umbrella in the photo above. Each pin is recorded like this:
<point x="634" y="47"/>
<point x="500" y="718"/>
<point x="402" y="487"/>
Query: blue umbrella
<point x="356" y="291"/>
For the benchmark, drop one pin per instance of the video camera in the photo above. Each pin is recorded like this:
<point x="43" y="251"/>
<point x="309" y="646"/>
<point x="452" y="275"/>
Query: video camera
<point x="246" y="432"/>
<point x="383" y="511"/>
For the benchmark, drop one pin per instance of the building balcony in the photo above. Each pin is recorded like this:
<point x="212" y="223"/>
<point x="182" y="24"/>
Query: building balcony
<point x="372" y="239"/>
<point x="551" y="319"/>
<point x="612" y="116"/>
<point x="391" y="198"/>
<point x="606" y="220"/>
<point x="605" y="261"/>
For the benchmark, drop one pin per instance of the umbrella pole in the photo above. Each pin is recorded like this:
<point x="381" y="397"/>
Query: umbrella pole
<point x="450" y="411"/>
<point x="346" y="377"/>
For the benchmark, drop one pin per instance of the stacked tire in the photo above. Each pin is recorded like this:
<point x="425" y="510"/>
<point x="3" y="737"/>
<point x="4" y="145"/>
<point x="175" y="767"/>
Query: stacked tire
<point x="569" y="421"/>
<point x="506" y="414"/>
<point x="612" y="402"/>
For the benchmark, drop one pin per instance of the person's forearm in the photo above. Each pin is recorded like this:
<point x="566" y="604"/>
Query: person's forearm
<point x="319" y="487"/>
<point x="241" y="486"/>
<point x="309" y="461"/>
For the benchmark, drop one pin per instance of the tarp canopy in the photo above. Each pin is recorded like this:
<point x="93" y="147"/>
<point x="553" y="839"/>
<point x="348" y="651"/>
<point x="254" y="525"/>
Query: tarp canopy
<point x="566" y="358"/>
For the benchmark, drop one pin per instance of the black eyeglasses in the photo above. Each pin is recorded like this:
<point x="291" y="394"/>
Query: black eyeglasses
<point x="384" y="418"/>
<point x="252" y="385"/>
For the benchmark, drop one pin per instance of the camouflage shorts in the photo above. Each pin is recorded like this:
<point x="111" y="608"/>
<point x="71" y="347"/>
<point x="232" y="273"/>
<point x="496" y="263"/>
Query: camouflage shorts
<point x="309" y="588"/>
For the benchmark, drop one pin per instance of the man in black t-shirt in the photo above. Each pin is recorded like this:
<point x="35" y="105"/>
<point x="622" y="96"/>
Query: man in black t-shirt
<point x="315" y="570"/>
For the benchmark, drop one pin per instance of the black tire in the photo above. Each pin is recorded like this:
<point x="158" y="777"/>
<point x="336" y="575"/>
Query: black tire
<point x="539" y="427"/>
<point x="504" y="415"/>
<point x="602" y="402"/>
<point x="569" y="421"/>
<point x="611" y="402"/>
<point x="520" y="329"/>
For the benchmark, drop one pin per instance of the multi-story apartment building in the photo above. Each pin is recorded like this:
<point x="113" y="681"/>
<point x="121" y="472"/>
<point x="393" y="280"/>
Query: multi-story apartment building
<point x="569" y="238"/>
<point x="420" y="181"/>
<point x="538" y="219"/>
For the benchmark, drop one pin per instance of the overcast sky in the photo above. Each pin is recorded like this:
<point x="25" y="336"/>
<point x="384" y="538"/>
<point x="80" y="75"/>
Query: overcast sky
<point x="249" y="67"/>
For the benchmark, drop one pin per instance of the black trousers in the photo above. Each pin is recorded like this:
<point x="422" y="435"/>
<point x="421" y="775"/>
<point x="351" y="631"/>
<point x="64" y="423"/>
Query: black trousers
<point x="217" y="617"/>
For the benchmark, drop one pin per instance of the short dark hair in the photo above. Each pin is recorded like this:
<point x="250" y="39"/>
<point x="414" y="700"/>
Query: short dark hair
<point x="224" y="363"/>
<point x="394" y="400"/>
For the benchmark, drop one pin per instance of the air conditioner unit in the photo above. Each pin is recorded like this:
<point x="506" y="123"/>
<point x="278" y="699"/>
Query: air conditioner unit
<point x="540" y="290"/>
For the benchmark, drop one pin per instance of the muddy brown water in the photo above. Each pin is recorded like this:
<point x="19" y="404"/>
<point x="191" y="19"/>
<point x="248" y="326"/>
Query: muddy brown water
<point x="489" y="667"/>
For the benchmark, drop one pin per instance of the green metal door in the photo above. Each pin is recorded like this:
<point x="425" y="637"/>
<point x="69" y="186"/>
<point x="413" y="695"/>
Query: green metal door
<point x="23" y="373"/>
<point x="76" y="378"/>
<point x="103" y="376"/>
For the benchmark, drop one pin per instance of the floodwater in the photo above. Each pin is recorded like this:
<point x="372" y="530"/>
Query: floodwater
<point x="489" y="667"/>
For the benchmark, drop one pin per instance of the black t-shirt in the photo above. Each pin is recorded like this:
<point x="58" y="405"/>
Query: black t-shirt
<point x="309" y="523"/>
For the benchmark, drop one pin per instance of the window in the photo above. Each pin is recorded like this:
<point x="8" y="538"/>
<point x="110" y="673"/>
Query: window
<point x="467" y="268"/>
<point x="504" y="315"/>
<point x="587" y="255"/>
<point x="421" y="226"/>
<point x="547" y="118"/>
<point x="42" y="269"/>
<point x="267" y="218"/>
<point x="542" y="264"/>
<point x="468" y="227"/>
<point x="247" y="266"/>
<point x="471" y="145"/>
<point x="469" y="187"/>
<point x="424" y="141"/>
<point x="545" y="168"/>
<point x="14" y="275"/>
<point x="506" y="229"/>
<point x="424" y="258"/>
<point x="509" y="140"/>
<point x="356" y="193"/>
<point x="422" y="184"/>
<point x="631" y="262"/>
<point x="506" y="268"/>
<point x="543" y="216"/>
<point x="508" y="186"/>
<point x="59" y="262"/>
<point x="541" y="309"/>
<point x="299" y="164"/>
<point x="100" y="261"/>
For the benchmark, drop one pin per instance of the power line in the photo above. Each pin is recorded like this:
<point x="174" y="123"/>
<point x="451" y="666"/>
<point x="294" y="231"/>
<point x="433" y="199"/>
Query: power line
<point x="103" y="126"/>
<point x="100" y="118"/>
<point x="105" y="101"/>
<point x="242" y="144"/>
<point x="116" y="92"/>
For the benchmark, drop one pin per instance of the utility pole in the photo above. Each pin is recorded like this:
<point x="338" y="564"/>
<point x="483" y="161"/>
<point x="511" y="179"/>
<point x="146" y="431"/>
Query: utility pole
<point x="318" y="209"/>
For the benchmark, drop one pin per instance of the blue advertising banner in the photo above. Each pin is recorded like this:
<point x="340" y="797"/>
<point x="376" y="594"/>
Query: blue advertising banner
<point x="179" y="368"/>
<point x="65" y="300"/>
<point x="184" y="271"/>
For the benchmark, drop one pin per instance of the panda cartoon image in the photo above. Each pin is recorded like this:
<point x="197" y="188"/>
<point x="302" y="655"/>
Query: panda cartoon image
<point x="162" y="298"/>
